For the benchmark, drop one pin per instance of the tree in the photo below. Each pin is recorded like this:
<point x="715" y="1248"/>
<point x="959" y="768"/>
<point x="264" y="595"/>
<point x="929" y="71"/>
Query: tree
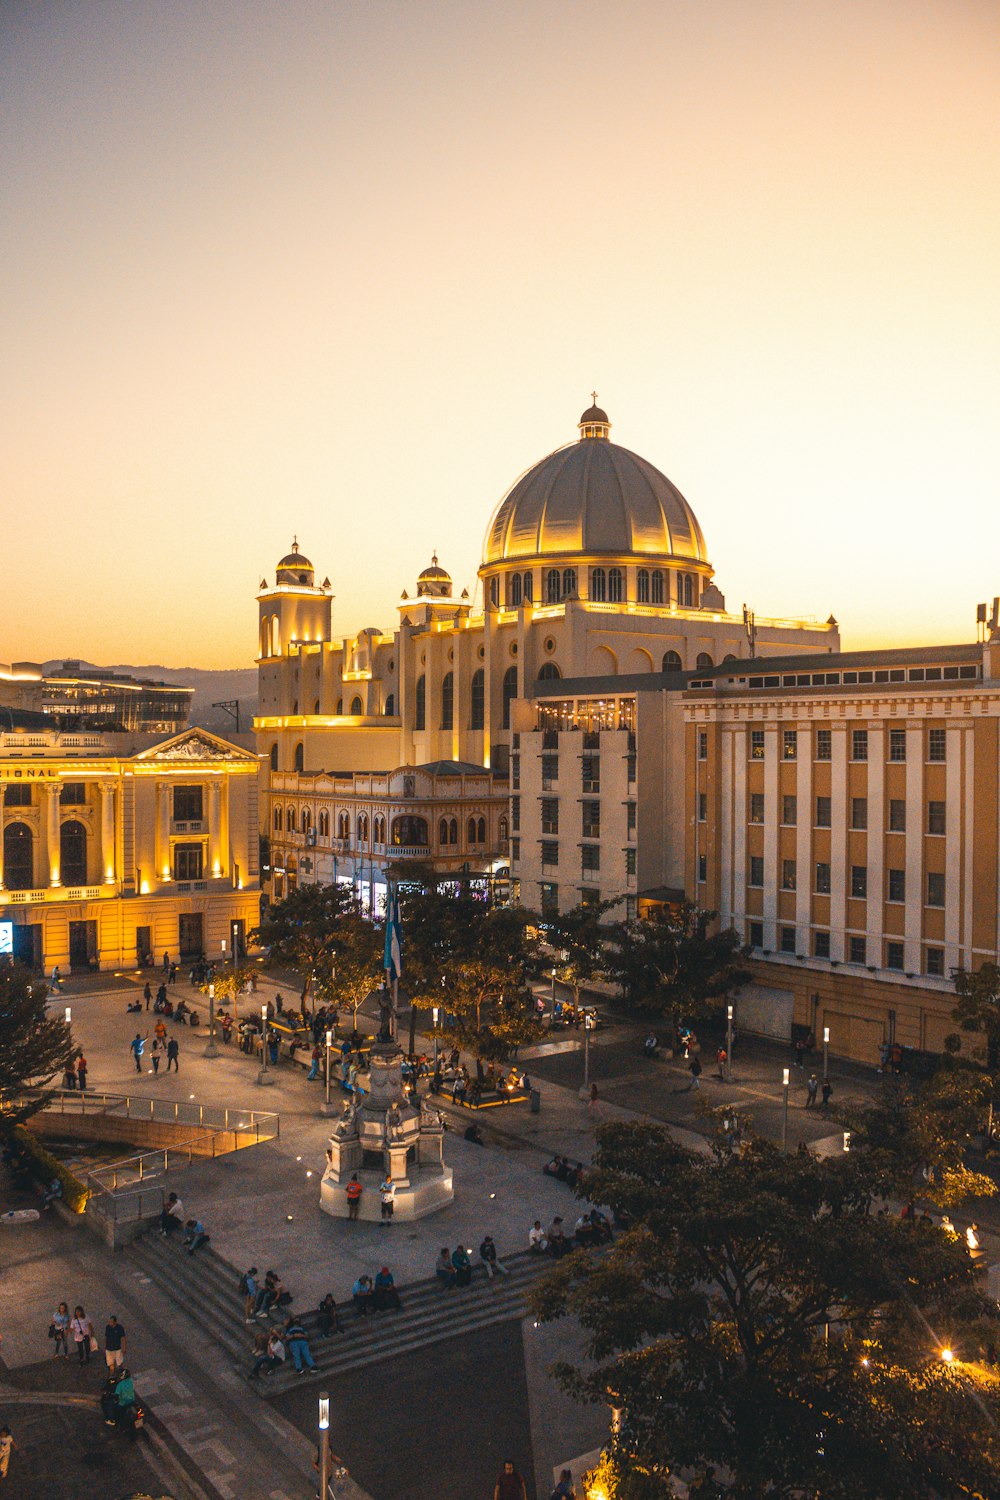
<point x="34" y="1047"/>
<point x="670" y="964"/>
<point x="304" y="931"/>
<point x="918" y="1132"/>
<point x="229" y="983"/>
<point x="759" y="1319"/>
<point x="578" y="938"/>
<point x="978" y="1010"/>
<point x="357" y="965"/>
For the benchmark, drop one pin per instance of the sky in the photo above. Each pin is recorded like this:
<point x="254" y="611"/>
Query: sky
<point x="345" y="270"/>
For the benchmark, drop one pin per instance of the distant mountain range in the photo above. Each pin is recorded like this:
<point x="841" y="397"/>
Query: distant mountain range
<point x="210" y="687"/>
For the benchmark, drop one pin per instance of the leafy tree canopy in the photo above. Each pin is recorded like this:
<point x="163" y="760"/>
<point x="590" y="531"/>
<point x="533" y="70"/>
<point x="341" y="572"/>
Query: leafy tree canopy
<point x="671" y="964"/>
<point x="319" y="931"/>
<point x="578" y="939"/>
<point x="34" y="1046"/>
<point x="978" y="1010"/>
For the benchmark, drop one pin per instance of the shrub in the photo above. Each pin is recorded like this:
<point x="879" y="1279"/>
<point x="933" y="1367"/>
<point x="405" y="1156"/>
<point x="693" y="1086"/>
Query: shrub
<point x="44" y="1166"/>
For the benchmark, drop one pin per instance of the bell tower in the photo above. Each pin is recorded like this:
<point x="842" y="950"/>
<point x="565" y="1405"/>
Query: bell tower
<point x="296" y="610"/>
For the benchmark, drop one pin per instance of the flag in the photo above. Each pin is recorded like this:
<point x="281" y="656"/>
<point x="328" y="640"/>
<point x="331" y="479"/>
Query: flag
<point x="393" y="963"/>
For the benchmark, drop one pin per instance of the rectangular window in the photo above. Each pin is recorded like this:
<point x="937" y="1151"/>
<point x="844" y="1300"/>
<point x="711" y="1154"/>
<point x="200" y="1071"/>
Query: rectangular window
<point x="822" y="812"/>
<point x="788" y="874"/>
<point x="515" y="849"/>
<point x="550" y="852"/>
<point x="702" y="868"/>
<point x="821" y="944"/>
<point x="824" y="744"/>
<point x="188" y="860"/>
<point x="550" y="772"/>
<point x="188" y="805"/>
<point x="859" y="744"/>
<point x="756" y="869"/>
<point x="73" y="793"/>
<point x="591" y="820"/>
<point x="789" y="744"/>
<point x="935" y="889"/>
<point x="515" y="772"/>
<point x="822" y="879"/>
<point x="897" y="885"/>
<point x="897" y="815"/>
<point x="550" y="899"/>
<point x="591" y="766"/>
<point x="590" y="857"/>
<point x="789" y="811"/>
<point x="629" y="861"/>
<point x="756" y="937"/>
<point x="16" y="796"/>
<point x="788" y="940"/>
<point x="550" y="814"/>
<point x="702" y="807"/>
<point x="858" y="950"/>
<point x="630" y="769"/>
<point x="859" y="812"/>
<point x="934" y="961"/>
<point x="756" y="807"/>
<point x="897" y="747"/>
<point x="630" y="816"/>
<point x="756" y="744"/>
<point x="515" y="814"/>
<point x="859" y="881"/>
<point x="894" y="956"/>
<point x="936" y="744"/>
<point x="935" y="817"/>
<point x="703" y="744"/>
<point x="590" y="897"/>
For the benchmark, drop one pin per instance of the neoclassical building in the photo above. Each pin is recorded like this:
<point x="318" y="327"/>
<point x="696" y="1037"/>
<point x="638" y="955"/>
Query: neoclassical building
<point x="594" y="564"/>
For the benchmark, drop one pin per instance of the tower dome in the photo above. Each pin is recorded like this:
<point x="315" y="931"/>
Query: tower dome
<point x="434" y="580"/>
<point x="294" y="568"/>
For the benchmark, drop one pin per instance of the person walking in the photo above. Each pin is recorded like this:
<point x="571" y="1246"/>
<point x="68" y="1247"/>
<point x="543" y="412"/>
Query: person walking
<point x="147" y="994"/>
<point x="694" y="1068"/>
<point x="81" y="1073"/>
<point x="155" y="1053"/>
<point x="387" y="1192"/>
<point x="7" y="1446"/>
<point x="114" y="1344"/>
<point x="161" y="997"/>
<point x="55" y="983"/>
<point x="354" y="1191"/>
<point x="811" y="1086"/>
<point x="60" y="1331"/>
<point x="314" y="1064"/>
<point x="827" y="1091"/>
<point x="137" y="1047"/>
<point x="720" y="1063"/>
<point x="172" y="975"/>
<point x="509" y="1485"/>
<point x="173" y="1048"/>
<point x="593" y="1101"/>
<point x="166" y="964"/>
<point x="82" y="1330"/>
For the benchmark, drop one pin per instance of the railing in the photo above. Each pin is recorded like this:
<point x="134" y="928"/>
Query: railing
<point x="57" y="893"/>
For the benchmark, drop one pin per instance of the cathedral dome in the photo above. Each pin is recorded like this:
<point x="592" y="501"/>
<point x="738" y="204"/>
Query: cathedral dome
<point x="593" y="497"/>
<point x="294" y="567"/>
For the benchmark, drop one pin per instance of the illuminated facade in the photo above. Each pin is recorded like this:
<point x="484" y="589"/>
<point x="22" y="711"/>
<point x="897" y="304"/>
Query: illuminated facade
<point x="114" y="850"/>
<point x="106" y="702"/>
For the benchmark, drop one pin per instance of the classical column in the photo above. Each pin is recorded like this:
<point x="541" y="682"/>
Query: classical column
<point x="52" y="832"/>
<point x="163" y="830"/>
<point x="108" y="831"/>
<point x="214" y="827"/>
<point x="772" y="751"/>
<point x="1" y="838"/>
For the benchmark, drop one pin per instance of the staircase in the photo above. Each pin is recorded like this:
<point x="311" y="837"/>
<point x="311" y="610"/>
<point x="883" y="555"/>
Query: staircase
<point x="205" y="1287"/>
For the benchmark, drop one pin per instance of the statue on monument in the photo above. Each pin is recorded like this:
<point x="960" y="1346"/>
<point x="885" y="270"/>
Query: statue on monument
<point x="386" y="1014"/>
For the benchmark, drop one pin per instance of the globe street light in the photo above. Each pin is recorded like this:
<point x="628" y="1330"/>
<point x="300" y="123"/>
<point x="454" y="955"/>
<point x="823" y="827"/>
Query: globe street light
<point x="264" y="1076"/>
<point x="826" y="1053"/>
<point x="69" y="1015"/>
<point x="211" y="1050"/>
<point x="784" y="1123"/>
<point x="588" y="1026"/>
<point x="435" y="1012"/>
<point x="324" y="1445"/>
<point x="729" y="1043"/>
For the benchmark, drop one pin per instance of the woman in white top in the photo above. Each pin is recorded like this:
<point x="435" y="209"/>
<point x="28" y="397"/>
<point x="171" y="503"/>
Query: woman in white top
<point x="82" y="1330"/>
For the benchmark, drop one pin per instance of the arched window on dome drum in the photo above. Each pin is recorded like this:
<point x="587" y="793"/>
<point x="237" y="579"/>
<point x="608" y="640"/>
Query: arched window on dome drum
<point x="447" y="701"/>
<point x="657" y="594"/>
<point x="420" y="703"/>
<point x="18" y="857"/>
<point x="549" y="672"/>
<point x="569" y="581"/>
<point x="290" y="819"/>
<point x="357" y="707"/>
<point x="470" y="831"/>
<point x="514" y="586"/>
<point x="529" y="591"/>
<point x="274" y="757"/>
<point x="553" y="583"/>
<point x="671" y="662"/>
<point x="443" y="833"/>
<point x="409" y="830"/>
<point x="453" y="830"/>
<point x="598" y="585"/>
<point x="477" y="717"/>
<point x="390" y="706"/>
<point x="481" y="831"/>
<point x="509" y="693"/>
<point x="502" y="828"/>
<point x="277" y="820"/>
<point x="685" y="590"/>
<point x="495" y="591"/>
<point x="642" y="586"/>
<point x="614" y="585"/>
<point x="324" y="823"/>
<point x="73" y="853"/>
<point x="703" y="662"/>
<point x="299" y="757"/>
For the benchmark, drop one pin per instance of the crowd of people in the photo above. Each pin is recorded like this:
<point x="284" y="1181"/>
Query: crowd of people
<point x="119" y="1404"/>
<point x="591" y="1228"/>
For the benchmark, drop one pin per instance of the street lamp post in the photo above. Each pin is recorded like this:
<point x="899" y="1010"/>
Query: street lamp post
<point x="435" y="1012"/>
<point x="326" y="1108"/>
<point x="552" y="999"/>
<point x="69" y="1015"/>
<point x="784" y="1122"/>
<point x="729" y="1043"/>
<point x="264" y="1077"/>
<point x="211" y="1050"/>
<point x="324" y="1445"/>
<point x="588" y="1026"/>
<point x="826" y="1053"/>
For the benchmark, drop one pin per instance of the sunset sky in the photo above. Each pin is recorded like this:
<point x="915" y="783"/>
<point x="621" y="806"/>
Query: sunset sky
<point x="346" y="269"/>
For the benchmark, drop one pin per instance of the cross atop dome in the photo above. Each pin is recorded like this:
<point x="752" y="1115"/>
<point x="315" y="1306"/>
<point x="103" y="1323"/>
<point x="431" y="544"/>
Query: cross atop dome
<point x="594" y="422"/>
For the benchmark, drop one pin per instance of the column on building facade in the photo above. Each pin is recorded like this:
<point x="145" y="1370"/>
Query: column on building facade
<point x="969" y="844"/>
<point x="1" y="838"/>
<point x="914" y="910"/>
<point x="838" y="841"/>
<point x="461" y="671"/>
<point x="163" y="830"/>
<point x="490" y="646"/>
<point x="803" y="839"/>
<point x="875" y="851"/>
<point x="771" y="766"/>
<point x="954" y="737"/>
<point x="52" y="833"/>
<point x="740" y="828"/>
<point x="215" y="827"/>
<point x="726" y="893"/>
<point x="108" y="862"/>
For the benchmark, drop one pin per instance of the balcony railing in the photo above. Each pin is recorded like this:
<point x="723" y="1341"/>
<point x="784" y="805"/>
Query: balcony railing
<point x="56" y="893"/>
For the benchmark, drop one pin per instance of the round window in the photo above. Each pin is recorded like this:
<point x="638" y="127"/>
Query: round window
<point x="550" y="644"/>
<point x="513" y="648"/>
<point x="482" y="652"/>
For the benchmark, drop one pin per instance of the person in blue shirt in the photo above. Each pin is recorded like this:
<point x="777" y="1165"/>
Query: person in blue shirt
<point x="194" y="1235"/>
<point x="137" y="1047"/>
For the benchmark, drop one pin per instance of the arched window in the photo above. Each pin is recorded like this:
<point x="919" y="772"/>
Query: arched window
<point x="274" y="757"/>
<point x="477" y="717"/>
<point x="275" y="636"/>
<point x="729" y="657"/>
<point x="307" y="819"/>
<point x="447" y="701"/>
<point x="685" y="590"/>
<point x="657" y="596"/>
<point x="509" y="693"/>
<point x="300" y="757"/>
<point x="703" y="662"/>
<point x="290" y="819"/>
<point x="470" y="831"/>
<point x="18" y="857"/>
<point x="642" y="586"/>
<point x="343" y="827"/>
<point x="598" y="585"/>
<point x="552" y="586"/>
<point x="549" y="672"/>
<point x="278" y="820"/>
<point x="292" y="875"/>
<point x="453" y="830"/>
<point x="443" y="832"/>
<point x="73" y="853"/>
<point x="362" y="828"/>
<point x="614" y="585"/>
<point x="529" y="592"/>
<point x="671" y="662"/>
<point x="502" y="828"/>
<point x="420" y="703"/>
<point x="390" y="706"/>
<point x="569" y="581"/>
<point x="409" y="830"/>
<point x="495" y="591"/>
<point x="357" y="707"/>
<point x="316" y="706"/>
<point x="340" y="706"/>
<point x="481" y="831"/>
<point x="514" y="586"/>
<point x="324" y="823"/>
<point x="380" y="830"/>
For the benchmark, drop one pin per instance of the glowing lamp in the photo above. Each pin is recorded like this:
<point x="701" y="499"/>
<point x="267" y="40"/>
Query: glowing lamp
<point x="324" y="1411"/>
<point x="785" y="1077"/>
<point x="69" y="1014"/>
<point x="948" y="1356"/>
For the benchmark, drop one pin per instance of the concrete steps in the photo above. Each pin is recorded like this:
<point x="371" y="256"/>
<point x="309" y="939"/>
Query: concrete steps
<point x="205" y="1288"/>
